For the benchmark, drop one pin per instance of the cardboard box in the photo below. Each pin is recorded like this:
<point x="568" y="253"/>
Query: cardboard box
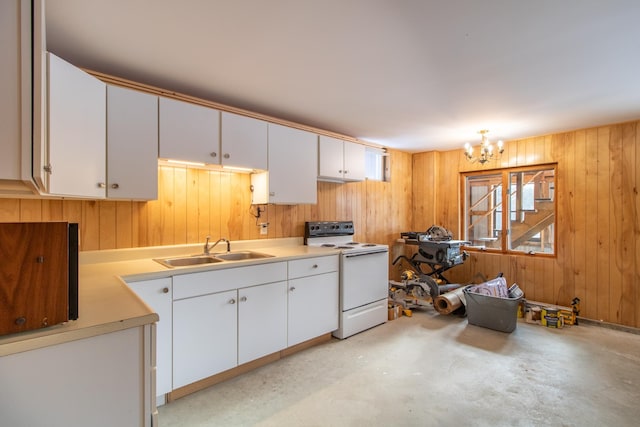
<point x="395" y="312"/>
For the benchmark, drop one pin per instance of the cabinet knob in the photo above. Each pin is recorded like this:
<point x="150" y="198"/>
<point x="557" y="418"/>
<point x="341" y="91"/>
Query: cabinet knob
<point x="346" y="171"/>
<point x="243" y="299"/>
<point x="314" y="266"/>
<point x="214" y="154"/>
<point x="340" y="171"/>
<point x="115" y="186"/>
<point x="48" y="168"/>
<point x="232" y="301"/>
<point x="226" y="155"/>
<point x="102" y="185"/>
<point x="20" y="321"/>
<point x="293" y="288"/>
<point x="165" y="290"/>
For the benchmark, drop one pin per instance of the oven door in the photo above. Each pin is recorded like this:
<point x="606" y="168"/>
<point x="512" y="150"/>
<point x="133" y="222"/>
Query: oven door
<point x="364" y="278"/>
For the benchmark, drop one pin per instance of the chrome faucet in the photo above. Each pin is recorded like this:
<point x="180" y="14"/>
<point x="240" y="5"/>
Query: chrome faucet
<point x="208" y="248"/>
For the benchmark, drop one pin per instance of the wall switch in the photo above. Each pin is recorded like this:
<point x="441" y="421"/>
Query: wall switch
<point x="264" y="228"/>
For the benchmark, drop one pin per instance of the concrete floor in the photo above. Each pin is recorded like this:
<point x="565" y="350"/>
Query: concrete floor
<point x="432" y="370"/>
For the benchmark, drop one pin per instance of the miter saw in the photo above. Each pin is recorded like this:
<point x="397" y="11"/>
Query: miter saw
<point x="436" y="250"/>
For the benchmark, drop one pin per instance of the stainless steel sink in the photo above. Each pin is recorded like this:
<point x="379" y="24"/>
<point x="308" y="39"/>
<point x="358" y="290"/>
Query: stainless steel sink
<point x="242" y="255"/>
<point x="188" y="260"/>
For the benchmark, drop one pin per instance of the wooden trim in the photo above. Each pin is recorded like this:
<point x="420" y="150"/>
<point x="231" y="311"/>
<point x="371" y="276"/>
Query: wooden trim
<point x="242" y="369"/>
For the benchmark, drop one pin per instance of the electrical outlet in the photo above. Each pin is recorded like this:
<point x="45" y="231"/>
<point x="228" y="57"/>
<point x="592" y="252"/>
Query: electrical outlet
<point x="264" y="226"/>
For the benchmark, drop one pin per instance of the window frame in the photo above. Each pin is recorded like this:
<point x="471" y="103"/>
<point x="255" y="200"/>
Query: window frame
<point x="506" y="208"/>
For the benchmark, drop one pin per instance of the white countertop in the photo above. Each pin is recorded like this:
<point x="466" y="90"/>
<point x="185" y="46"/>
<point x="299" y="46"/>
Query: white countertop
<point x="106" y="304"/>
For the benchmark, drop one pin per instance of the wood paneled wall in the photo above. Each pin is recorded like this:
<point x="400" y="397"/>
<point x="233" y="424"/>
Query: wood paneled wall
<point x="598" y="245"/>
<point x="194" y="203"/>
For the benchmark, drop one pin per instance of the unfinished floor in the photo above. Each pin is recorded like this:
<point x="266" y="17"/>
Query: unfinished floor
<point x="432" y="370"/>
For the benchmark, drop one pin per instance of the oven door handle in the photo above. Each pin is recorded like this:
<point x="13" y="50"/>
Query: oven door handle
<point x="365" y="253"/>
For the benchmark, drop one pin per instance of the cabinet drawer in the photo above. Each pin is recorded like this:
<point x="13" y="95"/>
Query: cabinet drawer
<point x="312" y="266"/>
<point x="207" y="282"/>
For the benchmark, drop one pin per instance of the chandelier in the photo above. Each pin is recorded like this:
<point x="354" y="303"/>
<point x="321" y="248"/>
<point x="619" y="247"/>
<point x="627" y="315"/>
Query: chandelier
<point x="486" y="150"/>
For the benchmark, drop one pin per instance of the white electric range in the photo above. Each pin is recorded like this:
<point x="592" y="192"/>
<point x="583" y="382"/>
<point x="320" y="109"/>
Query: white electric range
<point x="364" y="275"/>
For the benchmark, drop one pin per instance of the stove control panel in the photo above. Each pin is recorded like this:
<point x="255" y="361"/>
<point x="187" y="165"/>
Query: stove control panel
<point x="328" y="228"/>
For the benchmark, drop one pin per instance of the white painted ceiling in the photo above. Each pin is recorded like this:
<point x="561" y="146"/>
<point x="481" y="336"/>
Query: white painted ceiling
<point x="414" y="75"/>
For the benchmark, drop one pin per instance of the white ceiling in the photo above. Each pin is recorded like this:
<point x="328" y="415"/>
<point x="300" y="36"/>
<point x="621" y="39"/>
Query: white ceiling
<point x="415" y="75"/>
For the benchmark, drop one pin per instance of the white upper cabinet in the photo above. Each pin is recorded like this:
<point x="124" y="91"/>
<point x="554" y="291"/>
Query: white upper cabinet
<point x="243" y="141"/>
<point x="16" y="93"/>
<point x="189" y="132"/>
<point x="76" y="131"/>
<point x="354" y="161"/>
<point x="132" y="144"/>
<point x="293" y="162"/>
<point x="340" y="160"/>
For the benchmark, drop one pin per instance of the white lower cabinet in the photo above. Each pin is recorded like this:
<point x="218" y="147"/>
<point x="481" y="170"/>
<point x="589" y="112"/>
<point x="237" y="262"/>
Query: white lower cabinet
<point x="156" y="294"/>
<point x="213" y="321"/>
<point x="262" y="320"/>
<point x="98" y="381"/>
<point x="313" y="294"/>
<point x="204" y="336"/>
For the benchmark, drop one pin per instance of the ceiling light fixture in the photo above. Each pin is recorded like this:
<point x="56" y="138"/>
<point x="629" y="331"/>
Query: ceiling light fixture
<point x="486" y="149"/>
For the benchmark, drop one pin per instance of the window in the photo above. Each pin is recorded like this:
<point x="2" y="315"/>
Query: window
<point x="376" y="160"/>
<point x="526" y="224"/>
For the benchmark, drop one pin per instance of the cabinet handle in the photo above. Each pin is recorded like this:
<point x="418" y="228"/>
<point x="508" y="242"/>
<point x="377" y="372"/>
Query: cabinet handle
<point x="226" y="155"/>
<point x="232" y="301"/>
<point x="165" y="290"/>
<point x="115" y="186"/>
<point x="101" y="185"/>
<point x="314" y="266"/>
<point x="243" y="299"/>
<point x="214" y="154"/>
<point x="293" y="288"/>
<point x="48" y="168"/>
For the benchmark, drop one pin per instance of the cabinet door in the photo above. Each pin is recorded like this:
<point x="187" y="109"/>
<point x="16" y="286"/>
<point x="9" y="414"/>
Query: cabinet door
<point x="205" y="336"/>
<point x="188" y="132"/>
<point x="132" y="144"/>
<point x="76" y="131"/>
<point x="12" y="99"/>
<point x="354" y="161"/>
<point x="293" y="163"/>
<point x="157" y="295"/>
<point x="330" y="157"/>
<point x="243" y="141"/>
<point x="262" y="320"/>
<point x="312" y="307"/>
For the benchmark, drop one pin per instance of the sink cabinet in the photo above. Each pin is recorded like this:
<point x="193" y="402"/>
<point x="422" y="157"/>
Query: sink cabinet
<point x="312" y="298"/>
<point x="227" y="317"/>
<point x="204" y="336"/>
<point x="213" y="321"/>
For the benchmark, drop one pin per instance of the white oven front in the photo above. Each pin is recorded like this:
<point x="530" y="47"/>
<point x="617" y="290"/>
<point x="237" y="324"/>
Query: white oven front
<point x="364" y="278"/>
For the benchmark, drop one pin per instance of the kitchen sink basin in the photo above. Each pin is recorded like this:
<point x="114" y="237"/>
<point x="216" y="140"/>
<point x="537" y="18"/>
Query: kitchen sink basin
<point x="188" y="260"/>
<point x="242" y="255"/>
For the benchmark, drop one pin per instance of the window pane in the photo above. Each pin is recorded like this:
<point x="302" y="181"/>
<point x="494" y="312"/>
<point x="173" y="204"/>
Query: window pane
<point x="375" y="164"/>
<point x="532" y="208"/>
<point x="526" y="214"/>
<point x="484" y="210"/>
